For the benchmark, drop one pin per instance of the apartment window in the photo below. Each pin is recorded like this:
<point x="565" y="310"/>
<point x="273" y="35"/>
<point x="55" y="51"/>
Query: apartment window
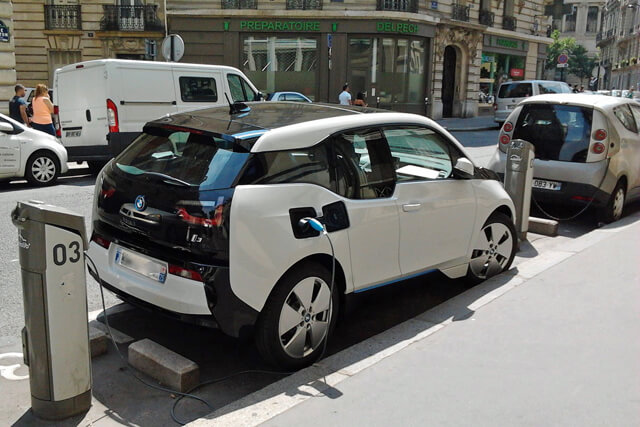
<point x="592" y="19"/>
<point x="570" y="20"/>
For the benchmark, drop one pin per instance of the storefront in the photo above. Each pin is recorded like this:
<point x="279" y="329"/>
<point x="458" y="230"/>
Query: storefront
<point x="503" y="59"/>
<point x="388" y="61"/>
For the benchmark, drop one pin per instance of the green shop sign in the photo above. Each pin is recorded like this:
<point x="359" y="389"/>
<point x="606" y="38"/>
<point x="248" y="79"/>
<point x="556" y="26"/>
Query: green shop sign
<point x="513" y="44"/>
<point x="279" y="26"/>
<point x="396" y="27"/>
<point x="506" y="43"/>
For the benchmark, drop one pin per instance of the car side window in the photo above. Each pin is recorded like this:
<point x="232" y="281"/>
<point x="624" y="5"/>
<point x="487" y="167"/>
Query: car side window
<point x="198" y="89"/>
<point x="636" y="114"/>
<point x="363" y="164"/>
<point x="419" y="153"/>
<point x="294" y="97"/>
<point x="624" y="114"/>
<point x="240" y="89"/>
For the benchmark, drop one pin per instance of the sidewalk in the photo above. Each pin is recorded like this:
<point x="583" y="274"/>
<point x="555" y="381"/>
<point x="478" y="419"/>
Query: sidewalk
<point x="553" y="343"/>
<point x="470" y="124"/>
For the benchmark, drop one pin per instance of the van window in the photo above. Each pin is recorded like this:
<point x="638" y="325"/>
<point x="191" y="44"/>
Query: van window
<point x="515" y="90"/>
<point x="184" y="158"/>
<point x="624" y="114"/>
<point x="198" y="89"/>
<point x="558" y="132"/>
<point x="240" y="89"/>
<point x="553" y="87"/>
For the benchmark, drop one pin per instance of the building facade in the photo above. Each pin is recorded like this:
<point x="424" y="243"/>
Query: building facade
<point x="426" y="57"/>
<point x="54" y="33"/>
<point x="619" y="42"/>
<point x="7" y="57"/>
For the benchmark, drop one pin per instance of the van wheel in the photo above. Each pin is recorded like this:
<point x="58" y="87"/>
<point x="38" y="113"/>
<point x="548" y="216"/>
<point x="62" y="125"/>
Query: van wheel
<point x="42" y="169"/>
<point x="494" y="249"/>
<point x="612" y="211"/>
<point x="298" y="317"/>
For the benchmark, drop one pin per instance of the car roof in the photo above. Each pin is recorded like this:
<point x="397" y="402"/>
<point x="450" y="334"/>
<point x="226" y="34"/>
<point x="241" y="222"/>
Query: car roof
<point x="288" y="125"/>
<point x="530" y="81"/>
<point x="144" y="64"/>
<point x="581" y="99"/>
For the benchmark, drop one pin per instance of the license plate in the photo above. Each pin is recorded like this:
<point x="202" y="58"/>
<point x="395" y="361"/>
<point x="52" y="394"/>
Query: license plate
<point x="547" y="185"/>
<point x="72" y="133"/>
<point x="141" y="264"/>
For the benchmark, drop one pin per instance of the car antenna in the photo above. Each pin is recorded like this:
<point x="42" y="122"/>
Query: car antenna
<point x="237" y="107"/>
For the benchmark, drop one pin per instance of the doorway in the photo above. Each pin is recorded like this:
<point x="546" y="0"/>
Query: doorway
<point x="448" y="80"/>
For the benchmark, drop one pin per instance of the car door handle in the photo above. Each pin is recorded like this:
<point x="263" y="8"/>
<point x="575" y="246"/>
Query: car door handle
<point x="410" y="207"/>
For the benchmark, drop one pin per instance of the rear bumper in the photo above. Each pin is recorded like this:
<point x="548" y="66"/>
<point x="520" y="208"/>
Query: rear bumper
<point x="211" y="303"/>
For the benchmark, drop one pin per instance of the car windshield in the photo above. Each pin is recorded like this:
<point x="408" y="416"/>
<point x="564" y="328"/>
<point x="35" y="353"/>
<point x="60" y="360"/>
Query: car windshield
<point x="515" y="90"/>
<point x="558" y="132"/>
<point x="184" y="158"/>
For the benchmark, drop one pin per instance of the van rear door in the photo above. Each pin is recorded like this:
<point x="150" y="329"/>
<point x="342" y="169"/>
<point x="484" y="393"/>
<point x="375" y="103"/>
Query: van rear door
<point x="198" y="89"/>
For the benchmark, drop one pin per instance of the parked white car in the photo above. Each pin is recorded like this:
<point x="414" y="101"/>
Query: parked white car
<point x="203" y="217"/>
<point x="287" y="96"/>
<point x="29" y="153"/>
<point x="587" y="150"/>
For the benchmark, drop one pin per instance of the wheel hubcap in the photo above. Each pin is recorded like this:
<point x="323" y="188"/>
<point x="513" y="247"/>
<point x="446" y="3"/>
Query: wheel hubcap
<point x="305" y="316"/>
<point x="43" y="169"/>
<point x="618" y="203"/>
<point x="492" y="250"/>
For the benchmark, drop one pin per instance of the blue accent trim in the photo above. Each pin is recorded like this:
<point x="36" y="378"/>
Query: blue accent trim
<point x="400" y="279"/>
<point x="249" y="134"/>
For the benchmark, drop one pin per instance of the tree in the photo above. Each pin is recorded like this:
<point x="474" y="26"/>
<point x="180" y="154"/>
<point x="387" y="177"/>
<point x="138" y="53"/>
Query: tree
<point x="580" y="64"/>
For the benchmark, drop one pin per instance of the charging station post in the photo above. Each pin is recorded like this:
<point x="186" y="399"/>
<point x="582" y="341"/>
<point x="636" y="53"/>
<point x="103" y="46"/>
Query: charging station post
<point x="518" y="179"/>
<point x="55" y="338"/>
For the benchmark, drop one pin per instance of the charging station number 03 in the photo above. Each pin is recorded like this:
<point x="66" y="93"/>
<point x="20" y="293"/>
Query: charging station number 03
<point x="61" y="256"/>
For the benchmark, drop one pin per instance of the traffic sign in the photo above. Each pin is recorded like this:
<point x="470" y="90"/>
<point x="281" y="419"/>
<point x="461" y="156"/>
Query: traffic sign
<point x="565" y="65"/>
<point x="172" y="48"/>
<point x="563" y="58"/>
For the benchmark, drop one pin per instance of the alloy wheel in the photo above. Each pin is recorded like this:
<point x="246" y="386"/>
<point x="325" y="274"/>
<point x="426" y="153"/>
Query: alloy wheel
<point x="618" y="204"/>
<point x="43" y="169"/>
<point x="305" y="317"/>
<point x="492" y="251"/>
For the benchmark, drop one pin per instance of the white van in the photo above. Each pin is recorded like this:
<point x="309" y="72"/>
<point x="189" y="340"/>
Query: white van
<point x="511" y="93"/>
<point x="103" y="104"/>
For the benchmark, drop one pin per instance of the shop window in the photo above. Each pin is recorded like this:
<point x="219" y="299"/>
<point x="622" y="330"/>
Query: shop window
<point x="592" y="19"/>
<point x="276" y="64"/>
<point x="198" y="89"/>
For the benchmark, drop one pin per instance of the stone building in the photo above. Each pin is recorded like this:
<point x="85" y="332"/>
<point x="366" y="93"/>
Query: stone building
<point x="400" y="53"/>
<point x="7" y="58"/>
<point x="619" y="43"/>
<point x="54" y="33"/>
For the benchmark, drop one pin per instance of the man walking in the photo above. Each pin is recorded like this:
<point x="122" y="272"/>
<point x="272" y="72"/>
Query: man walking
<point x="18" y="106"/>
<point x="345" y="96"/>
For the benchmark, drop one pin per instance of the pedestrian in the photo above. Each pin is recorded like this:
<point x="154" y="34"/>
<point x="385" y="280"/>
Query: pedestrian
<point x="630" y="93"/>
<point x="18" y="106"/>
<point x="360" y="100"/>
<point x="42" y="110"/>
<point x="345" y="96"/>
<point x="581" y="89"/>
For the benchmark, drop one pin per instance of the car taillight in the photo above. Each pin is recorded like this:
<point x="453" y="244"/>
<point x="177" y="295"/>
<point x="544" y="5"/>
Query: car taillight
<point x="109" y="192"/>
<point x="598" y="148"/>
<point x="198" y="220"/>
<point x="112" y="116"/>
<point x="184" y="272"/>
<point x="56" y="113"/>
<point x="600" y="135"/>
<point x="101" y="241"/>
<point x="508" y="127"/>
<point x="505" y="139"/>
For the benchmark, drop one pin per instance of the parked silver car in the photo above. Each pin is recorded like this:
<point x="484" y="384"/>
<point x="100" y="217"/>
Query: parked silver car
<point x="511" y="93"/>
<point x="587" y="149"/>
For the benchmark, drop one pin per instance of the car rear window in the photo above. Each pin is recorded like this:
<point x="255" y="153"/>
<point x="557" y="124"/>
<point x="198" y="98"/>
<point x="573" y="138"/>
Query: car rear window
<point x="558" y="132"/>
<point x="553" y="87"/>
<point x="515" y="90"/>
<point x="184" y="158"/>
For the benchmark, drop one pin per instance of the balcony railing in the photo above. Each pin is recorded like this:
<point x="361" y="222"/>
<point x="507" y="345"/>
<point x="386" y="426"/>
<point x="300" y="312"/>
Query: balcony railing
<point x="509" y="22"/>
<point x="131" y="18"/>
<point x="304" y="4"/>
<point x="398" y="5"/>
<point x="239" y="4"/>
<point x="598" y="36"/>
<point x="62" y="17"/>
<point x="609" y="34"/>
<point x="486" y="17"/>
<point x="460" y="12"/>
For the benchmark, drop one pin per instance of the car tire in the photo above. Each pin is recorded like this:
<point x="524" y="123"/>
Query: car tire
<point x="612" y="211"/>
<point x="494" y="249"/>
<point x="42" y="169"/>
<point x="291" y="332"/>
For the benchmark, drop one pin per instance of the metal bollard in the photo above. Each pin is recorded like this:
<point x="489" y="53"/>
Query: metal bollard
<point x="518" y="179"/>
<point x="55" y="338"/>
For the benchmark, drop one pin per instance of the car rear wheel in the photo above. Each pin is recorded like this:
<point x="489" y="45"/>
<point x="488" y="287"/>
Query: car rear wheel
<point x="612" y="211"/>
<point x="298" y="317"/>
<point x="42" y="169"/>
<point x="494" y="249"/>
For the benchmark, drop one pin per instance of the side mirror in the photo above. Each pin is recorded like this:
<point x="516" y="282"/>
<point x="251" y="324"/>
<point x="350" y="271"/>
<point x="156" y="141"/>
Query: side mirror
<point x="6" y="127"/>
<point x="258" y="96"/>
<point x="464" y="168"/>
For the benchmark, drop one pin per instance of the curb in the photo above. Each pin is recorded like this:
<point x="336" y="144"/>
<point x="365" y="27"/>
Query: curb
<point x="322" y="377"/>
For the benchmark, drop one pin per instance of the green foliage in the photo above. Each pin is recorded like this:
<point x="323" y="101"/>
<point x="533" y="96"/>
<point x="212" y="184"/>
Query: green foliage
<point x="580" y="64"/>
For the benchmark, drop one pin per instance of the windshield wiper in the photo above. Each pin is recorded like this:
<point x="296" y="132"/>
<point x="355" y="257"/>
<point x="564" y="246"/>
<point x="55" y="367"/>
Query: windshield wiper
<point x="169" y="179"/>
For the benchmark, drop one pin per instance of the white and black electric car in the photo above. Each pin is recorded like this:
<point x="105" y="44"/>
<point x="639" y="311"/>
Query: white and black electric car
<point x="200" y="217"/>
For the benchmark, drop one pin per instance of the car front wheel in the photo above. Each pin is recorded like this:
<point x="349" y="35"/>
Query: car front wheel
<point x="494" y="249"/>
<point x="298" y="317"/>
<point x="42" y="169"/>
